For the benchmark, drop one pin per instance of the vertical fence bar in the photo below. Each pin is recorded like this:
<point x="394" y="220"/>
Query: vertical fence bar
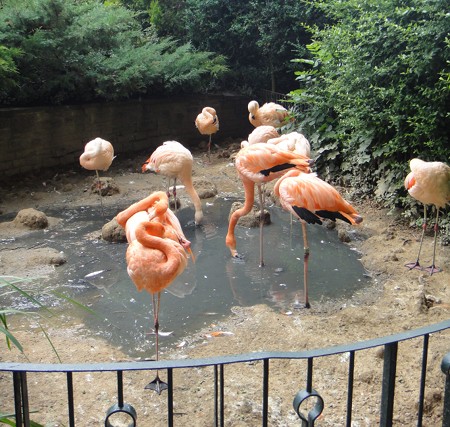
<point x="17" y="398"/>
<point x="265" y="413"/>
<point x="445" y="367"/>
<point x="388" y="387"/>
<point x="219" y="398"/>
<point x="216" y="397"/>
<point x="351" y="373"/>
<point x="422" y="380"/>
<point x="222" y="396"/>
<point x="70" y="405"/>
<point x="170" y="397"/>
<point x="120" y="388"/>
<point x="309" y="375"/>
<point x="25" y="405"/>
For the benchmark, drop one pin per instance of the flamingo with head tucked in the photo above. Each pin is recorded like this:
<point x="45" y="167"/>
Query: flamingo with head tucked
<point x="310" y="199"/>
<point x="262" y="133"/>
<point x="270" y="114"/>
<point x="207" y="123"/>
<point x="293" y="141"/>
<point x="175" y="161"/>
<point x="156" y="254"/>
<point x="153" y="207"/>
<point x="429" y="183"/>
<point x="98" y="155"/>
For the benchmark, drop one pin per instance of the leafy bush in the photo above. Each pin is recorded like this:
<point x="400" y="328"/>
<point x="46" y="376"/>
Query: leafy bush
<point x="76" y="51"/>
<point x="375" y="92"/>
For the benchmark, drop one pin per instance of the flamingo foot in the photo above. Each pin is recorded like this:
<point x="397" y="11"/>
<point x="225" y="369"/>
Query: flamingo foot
<point x="414" y="265"/>
<point x="238" y="257"/>
<point x="432" y="269"/>
<point x="157" y="385"/>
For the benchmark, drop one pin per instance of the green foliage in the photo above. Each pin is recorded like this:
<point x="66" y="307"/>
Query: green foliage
<point x="8" y="68"/>
<point x="257" y="38"/>
<point x="84" y="50"/>
<point x="374" y="91"/>
<point x="13" y="287"/>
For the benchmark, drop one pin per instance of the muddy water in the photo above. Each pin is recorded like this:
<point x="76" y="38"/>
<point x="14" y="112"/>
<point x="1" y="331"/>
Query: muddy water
<point x="95" y="274"/>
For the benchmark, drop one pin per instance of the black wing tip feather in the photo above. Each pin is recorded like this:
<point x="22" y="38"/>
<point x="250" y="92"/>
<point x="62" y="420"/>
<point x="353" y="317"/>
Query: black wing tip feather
<point x="307" y="215"/>
<point x="315" y="218"/>
<point x="333" y="216"/>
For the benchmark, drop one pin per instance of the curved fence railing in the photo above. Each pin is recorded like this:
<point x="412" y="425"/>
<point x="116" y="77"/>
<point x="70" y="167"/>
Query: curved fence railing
<point x="308" y="401"/>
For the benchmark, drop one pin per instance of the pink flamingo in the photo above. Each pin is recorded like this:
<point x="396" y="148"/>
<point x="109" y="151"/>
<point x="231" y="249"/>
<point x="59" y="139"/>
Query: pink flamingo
<point x="207" y="123"/>
<point x="309" y="198"/>
<point x="156" y="254"/>
<point x="268" y="114"/>
<point x="257" y="164"/>
<point x="175" y="161"/>
<point x="429" y="183"/>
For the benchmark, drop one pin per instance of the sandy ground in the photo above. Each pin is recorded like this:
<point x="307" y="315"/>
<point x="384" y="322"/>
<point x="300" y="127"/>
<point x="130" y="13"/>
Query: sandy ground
<point x="399" y="300"/>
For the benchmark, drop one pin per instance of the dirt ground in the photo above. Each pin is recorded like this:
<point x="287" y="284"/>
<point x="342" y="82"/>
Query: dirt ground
<point x="399" y="300"/>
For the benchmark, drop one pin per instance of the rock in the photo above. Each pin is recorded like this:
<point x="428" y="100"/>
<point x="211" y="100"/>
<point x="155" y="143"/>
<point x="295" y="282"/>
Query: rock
<point x="205" y="189"/>
<point x="329" y="224"/>
<point x="57" y="259"/>
<point x="113" y="232"/>
<point x="344" y="236"/>
<point x="106" y="186"/>
<point x="32" y="219"/>
<point x="251" y="220"/>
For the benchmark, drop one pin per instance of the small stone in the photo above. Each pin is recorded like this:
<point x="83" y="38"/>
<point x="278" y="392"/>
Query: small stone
<point x="31" y="218"/>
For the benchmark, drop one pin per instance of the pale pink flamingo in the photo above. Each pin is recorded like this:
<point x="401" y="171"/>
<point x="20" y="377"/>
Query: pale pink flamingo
<point x="429" y="183"/>
<point x="207" y="123"/>
<point x="261" y="134"/>
<point x="98" y="155"/>
<point x="175" y="161"/>
<point x="293" y="141"/>
<point x="271" y="114"/>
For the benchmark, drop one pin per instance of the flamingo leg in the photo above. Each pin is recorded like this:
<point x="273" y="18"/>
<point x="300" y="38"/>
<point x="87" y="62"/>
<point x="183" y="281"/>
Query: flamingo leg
<point x="99" y="185"/>
<point x="432" y="268"/>
<point x="209" y="149"/>
<point x="175" y="194"/>
<point x="305" y="264"/>
<point x="157" y="384"/>
<point x="261" y="224"/>
<point x="416" y="264"/>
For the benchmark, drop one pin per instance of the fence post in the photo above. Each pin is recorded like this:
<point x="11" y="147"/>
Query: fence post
<point x="388" y="388"/>
<point x="445" y="366"/>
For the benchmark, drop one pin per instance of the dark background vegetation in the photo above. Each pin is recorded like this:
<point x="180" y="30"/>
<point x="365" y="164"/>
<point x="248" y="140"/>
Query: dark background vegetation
<point x="368" y="82"/>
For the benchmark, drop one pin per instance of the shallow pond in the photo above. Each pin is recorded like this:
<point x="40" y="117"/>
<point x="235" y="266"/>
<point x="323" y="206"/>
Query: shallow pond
<point x="95" y="274"/>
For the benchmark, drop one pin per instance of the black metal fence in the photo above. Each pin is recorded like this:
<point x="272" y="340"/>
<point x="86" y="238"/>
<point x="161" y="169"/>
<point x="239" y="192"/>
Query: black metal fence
<point x="307" y="400"/>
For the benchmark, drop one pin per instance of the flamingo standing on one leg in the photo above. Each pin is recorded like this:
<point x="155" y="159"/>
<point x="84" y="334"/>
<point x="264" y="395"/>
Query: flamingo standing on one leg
<point x="257" y="164"/>
<point x="175" y="161"/>
<point x="268" y="114"/>
<point x="153" y="262"/>
<point x="207" y="123"/>
<point x="309" y="198"/>
<point x="429" y="183"/>
<point x="98" y="155"/>
<point x="151" y="227"/>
